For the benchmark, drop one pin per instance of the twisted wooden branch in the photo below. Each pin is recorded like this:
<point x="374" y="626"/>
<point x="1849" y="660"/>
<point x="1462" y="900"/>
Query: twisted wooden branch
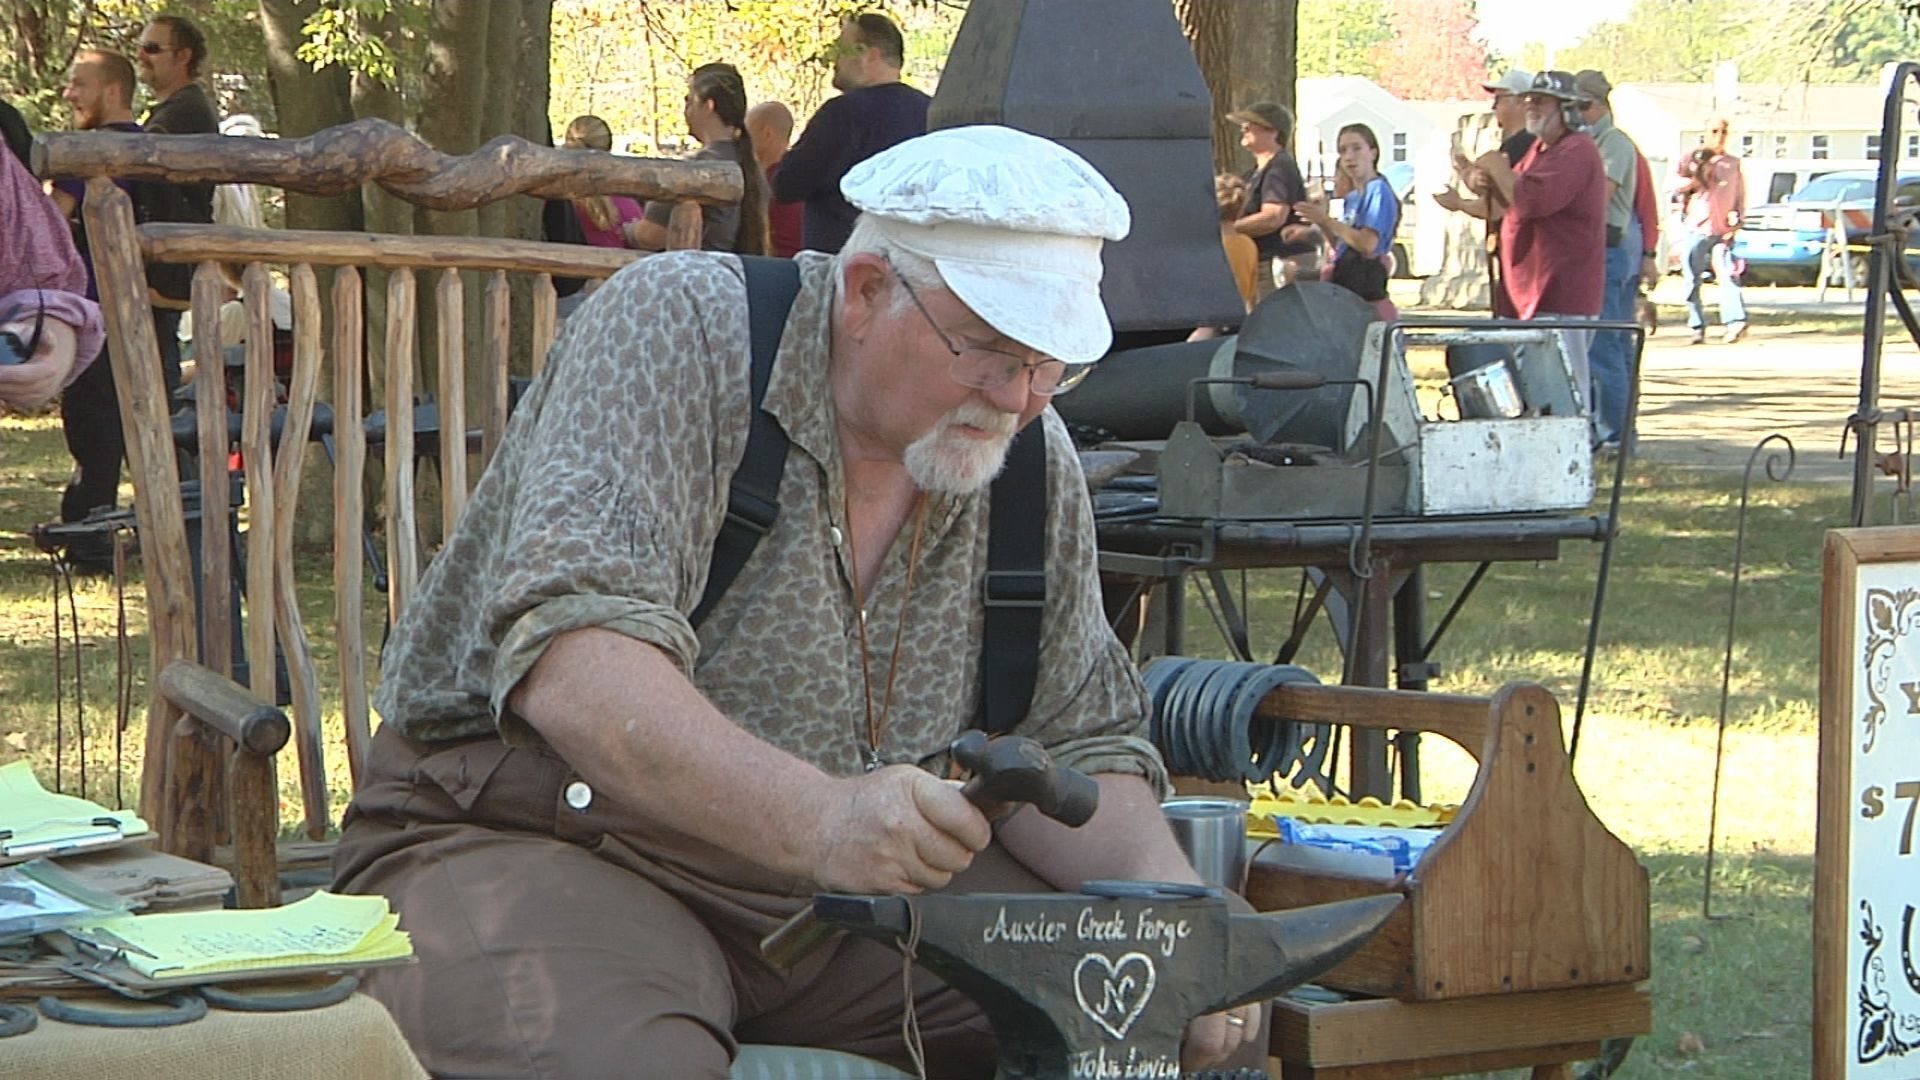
<point x="340" y="159"/>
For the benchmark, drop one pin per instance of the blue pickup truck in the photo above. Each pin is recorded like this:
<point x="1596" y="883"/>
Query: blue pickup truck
<point x="1781" y="242"/>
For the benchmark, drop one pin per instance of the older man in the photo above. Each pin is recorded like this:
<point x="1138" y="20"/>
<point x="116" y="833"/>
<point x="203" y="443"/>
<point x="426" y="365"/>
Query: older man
<point x="1611" y="357"/>
<point x="875" y="110"/>
<point x="588" y="811"/>
<point x="1553" y="234"/>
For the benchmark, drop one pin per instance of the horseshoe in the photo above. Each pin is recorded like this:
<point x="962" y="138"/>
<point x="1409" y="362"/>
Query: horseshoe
<point x="180" y="1008"/>
<point x="319" y="997"/>
<point x="16" y="1020"/>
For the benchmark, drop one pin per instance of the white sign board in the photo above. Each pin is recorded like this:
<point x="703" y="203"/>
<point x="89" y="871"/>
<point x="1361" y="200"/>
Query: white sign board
<point x="1867" y="879"/>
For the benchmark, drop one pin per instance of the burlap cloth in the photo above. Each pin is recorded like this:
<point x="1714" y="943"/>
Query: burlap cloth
<point x="355" y="1038"/>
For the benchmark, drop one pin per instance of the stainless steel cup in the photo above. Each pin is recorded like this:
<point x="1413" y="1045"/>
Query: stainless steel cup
<point x="1213" y="833"/>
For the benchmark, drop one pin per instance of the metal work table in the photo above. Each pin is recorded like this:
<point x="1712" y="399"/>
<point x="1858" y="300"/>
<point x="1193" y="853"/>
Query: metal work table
<point x="1378" y="609"/>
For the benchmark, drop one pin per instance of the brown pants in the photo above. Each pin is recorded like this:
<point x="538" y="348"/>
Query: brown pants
<point x="563" y="942"/>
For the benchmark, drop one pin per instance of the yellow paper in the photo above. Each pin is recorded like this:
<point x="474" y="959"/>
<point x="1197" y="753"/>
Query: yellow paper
<point x="323" y="928"/>
<point x="45" y="823"/>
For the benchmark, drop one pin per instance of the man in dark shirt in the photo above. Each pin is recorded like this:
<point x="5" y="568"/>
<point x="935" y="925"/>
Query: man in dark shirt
<point x="99" y="90"/>
<point x="874" y="111"/>
<point x="172" y="51"/>
<point x="1273" y="188"/>
<point x="1515" y="141"/>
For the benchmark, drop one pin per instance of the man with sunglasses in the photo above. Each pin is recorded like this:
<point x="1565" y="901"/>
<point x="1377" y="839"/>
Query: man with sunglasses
<point x="1553" y="232"/>
<point x="588" y="811"/>
<point x="170" y="55"/>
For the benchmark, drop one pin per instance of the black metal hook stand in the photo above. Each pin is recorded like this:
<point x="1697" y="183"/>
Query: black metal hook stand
<point x="1784" y="469"/>
<point x="1887" y="279"/>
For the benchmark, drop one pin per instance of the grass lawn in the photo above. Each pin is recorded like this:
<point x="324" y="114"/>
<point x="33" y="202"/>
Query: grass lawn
<point x="1732" y="996"/>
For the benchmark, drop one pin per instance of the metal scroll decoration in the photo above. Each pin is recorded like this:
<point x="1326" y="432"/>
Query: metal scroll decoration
<point x="1779" y="469"/>
<point x="1881" y="1029"/>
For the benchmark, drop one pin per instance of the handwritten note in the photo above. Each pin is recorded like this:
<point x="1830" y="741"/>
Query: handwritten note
<point x="323" y="928"/>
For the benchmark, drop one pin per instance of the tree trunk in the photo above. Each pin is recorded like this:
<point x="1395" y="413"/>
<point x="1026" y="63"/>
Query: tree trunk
<point x="1265" y="36"/>
<point x="306" y="101"/>
<point x="1208" y="25"/>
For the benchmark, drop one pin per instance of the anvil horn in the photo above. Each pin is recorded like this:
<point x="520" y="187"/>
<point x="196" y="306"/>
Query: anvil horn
<point x="1275" y="951"/>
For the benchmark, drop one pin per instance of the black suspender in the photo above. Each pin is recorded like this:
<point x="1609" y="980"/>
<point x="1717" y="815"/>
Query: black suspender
<point x="753" y="499"/>
<point x="1016" y="585"/>
<point x="1016" y="582"/>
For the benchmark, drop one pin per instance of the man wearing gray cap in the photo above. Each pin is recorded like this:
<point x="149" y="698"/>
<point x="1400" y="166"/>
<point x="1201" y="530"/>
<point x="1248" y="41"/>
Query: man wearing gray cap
<point x="1611" y="357"/>
<point x="588" y="810"/>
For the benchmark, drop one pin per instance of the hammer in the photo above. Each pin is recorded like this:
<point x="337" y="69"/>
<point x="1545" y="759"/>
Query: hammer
<point x="1006" y="772"/>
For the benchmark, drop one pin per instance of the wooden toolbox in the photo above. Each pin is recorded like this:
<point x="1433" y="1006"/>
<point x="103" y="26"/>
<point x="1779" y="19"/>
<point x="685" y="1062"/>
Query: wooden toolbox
<point x="1524" y="936"/>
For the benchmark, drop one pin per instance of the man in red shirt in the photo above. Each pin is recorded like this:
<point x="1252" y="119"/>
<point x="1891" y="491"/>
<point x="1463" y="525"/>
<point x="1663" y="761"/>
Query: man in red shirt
<point x="1553" y="235"/>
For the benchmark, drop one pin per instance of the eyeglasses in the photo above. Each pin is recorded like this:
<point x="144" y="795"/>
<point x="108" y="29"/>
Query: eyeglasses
<point x="983" y="367"/>
<point x="154" y="48"/>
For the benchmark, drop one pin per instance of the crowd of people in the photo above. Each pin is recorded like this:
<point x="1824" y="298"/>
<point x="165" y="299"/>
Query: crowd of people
<point x="1572" y="216"/>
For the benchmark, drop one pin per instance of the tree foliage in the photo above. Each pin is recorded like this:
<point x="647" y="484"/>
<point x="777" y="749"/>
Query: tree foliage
<point x="628" y="62"/>
<point x="1342" y="37"/>
<point x="41" y="37"/>
<point x="1787" y="41"/>
<point x="1436" y="53"/>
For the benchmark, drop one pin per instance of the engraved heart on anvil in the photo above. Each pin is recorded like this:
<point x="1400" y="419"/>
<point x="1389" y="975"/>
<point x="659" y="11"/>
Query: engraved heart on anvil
<point x="1113" y="993"/>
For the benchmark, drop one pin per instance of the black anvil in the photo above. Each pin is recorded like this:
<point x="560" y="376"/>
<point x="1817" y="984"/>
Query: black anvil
<point x="1100" y="985"/>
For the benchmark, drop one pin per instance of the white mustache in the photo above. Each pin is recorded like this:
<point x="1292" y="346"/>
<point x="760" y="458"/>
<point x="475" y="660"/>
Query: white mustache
<point x="984" y="417"/>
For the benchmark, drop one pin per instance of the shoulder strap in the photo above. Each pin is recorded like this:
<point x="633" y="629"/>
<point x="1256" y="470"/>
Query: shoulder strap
<point x="753" y="499"/>
<point x="1016" y="585"/>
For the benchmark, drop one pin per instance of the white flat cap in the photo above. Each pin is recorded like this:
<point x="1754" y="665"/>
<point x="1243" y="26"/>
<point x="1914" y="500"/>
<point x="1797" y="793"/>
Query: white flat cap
<point x="1013" y="222"/>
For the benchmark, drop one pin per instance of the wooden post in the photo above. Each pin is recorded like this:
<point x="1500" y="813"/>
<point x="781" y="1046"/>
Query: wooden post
<point x="149" y="439"/>
<point x="451" y="315"/>
<point x="256" y="823"/>
<point x="349" y="515"/>
<point x="302" y="390"/>
<point x="210" y="408"/>
<point x="256" y="455"/>
<point x="403" y="550"/>
<point x="496" y="378"/>
<point x="193" y="787"/>
<point x="544" y="319"/>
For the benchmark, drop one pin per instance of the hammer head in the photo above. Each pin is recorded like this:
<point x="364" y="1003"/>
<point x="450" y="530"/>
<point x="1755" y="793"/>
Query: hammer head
<point x="1015" y="769"/>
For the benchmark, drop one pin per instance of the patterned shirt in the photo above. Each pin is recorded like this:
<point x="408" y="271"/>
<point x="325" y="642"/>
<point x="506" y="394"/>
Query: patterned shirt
<point x="601" y="508"/>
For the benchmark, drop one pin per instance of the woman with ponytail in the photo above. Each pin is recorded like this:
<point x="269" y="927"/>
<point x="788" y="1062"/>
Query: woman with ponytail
<point x="603" y="218"/>
<point x="716" y="112"/>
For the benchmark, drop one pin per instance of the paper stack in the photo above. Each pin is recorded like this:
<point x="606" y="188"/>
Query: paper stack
<point x="324" y="930"/>
<point x="35" y="822"/>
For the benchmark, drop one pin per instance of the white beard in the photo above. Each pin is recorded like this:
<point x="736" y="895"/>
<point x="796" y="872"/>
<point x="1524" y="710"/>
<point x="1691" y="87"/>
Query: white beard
<point x="949" y="462"/>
